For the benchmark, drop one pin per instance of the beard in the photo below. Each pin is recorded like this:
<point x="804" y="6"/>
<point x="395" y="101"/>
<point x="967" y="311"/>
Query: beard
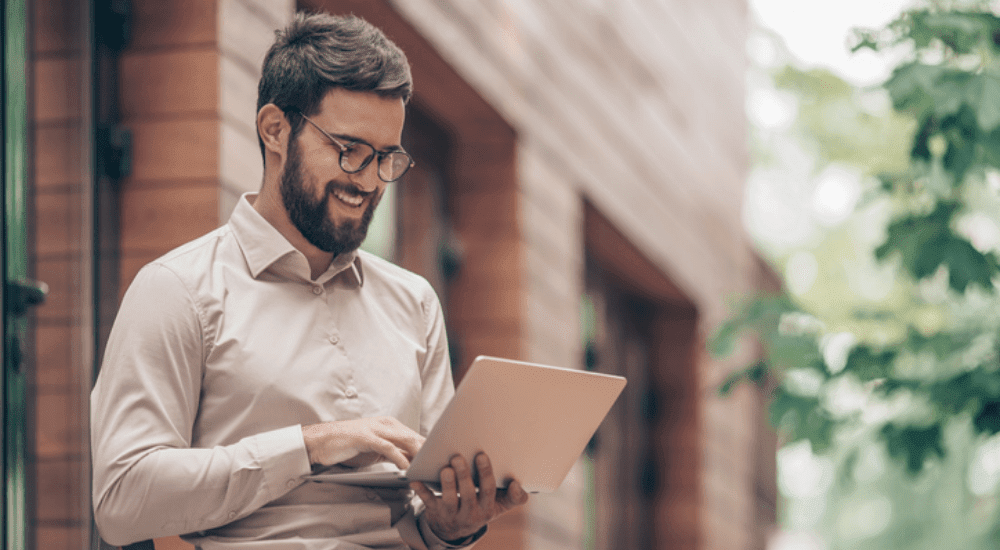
<point x="311" y="216"/>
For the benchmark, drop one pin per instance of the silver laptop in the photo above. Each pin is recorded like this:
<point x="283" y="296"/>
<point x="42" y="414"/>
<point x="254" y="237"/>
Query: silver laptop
<point x="533" y="421"/>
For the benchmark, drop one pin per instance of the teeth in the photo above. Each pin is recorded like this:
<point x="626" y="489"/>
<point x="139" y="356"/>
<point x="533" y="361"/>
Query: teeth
<point x="348" y="199"/>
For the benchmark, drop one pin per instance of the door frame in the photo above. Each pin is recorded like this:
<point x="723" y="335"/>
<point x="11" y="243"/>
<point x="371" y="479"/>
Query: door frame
<point x="17" y="440"/>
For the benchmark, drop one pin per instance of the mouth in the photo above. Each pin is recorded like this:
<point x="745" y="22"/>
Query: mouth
<point x="354" y="200"/>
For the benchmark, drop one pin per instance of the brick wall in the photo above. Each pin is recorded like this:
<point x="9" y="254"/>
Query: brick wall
<point x="169" y="96"/>
<point x="60" y="176"/>
<point x="187" y="92"/>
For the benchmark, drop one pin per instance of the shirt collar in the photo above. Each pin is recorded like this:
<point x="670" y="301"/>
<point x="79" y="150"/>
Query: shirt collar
<point x="264" y="246"/>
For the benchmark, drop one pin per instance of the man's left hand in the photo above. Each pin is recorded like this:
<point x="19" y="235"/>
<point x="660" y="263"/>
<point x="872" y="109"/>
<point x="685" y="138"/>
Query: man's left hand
<point x="461" y="510"/>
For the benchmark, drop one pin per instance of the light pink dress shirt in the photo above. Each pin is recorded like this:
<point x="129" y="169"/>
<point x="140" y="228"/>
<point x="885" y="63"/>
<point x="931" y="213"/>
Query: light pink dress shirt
<point x="221" y="351"/>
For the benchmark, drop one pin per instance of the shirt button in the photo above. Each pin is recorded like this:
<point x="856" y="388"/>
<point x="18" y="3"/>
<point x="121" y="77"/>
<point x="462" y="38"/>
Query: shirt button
<point x="371" y="496"/>
<point x="317" y="290"/>
<point x="351" y="392"/>
<point x="232" y="515"/>
<point x="290" y="483"/>
<point x="334" y="339"/>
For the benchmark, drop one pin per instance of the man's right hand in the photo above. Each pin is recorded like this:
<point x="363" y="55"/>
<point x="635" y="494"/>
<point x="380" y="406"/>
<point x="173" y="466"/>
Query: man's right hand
<point x="374" y="439"/>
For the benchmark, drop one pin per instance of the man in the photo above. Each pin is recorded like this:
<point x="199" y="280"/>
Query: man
<point x="271" y="346"/>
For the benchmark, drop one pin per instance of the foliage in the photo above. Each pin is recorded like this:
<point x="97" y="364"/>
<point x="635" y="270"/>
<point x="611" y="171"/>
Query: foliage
<point x="947" y="372"/>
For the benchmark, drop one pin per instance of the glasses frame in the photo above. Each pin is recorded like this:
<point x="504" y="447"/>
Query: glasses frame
<point x="374" y="154"/>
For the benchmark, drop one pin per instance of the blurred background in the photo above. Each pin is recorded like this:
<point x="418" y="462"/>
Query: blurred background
<point x="788" y="248"/>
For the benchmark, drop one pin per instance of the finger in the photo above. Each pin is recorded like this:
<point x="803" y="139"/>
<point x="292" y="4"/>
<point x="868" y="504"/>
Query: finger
<point x="449" y="491"/>
<point x="426" y="495"/>
<point x="411" y="445"/>
<point x="514" y="495"/>
<point x="387" y="449"/>
<point x="466" y="487"/>
<point x="401" y="435"/>
<point x="487" y="482"/>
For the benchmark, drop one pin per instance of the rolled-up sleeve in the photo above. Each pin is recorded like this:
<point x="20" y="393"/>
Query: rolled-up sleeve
<point x="147" y="480"/>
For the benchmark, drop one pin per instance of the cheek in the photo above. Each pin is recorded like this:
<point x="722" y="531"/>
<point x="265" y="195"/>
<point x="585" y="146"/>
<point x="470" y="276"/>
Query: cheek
<point x="312" y="182"/>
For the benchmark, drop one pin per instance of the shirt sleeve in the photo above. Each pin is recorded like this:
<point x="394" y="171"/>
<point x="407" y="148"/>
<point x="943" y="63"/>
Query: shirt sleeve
<point x="147" y="480"/>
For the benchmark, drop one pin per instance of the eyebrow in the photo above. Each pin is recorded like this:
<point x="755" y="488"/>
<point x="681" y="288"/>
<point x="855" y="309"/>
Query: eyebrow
<point x="355" y="139"/>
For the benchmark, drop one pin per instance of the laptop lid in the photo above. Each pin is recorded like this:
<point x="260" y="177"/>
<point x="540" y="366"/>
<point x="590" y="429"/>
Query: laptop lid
<point x="533" y="421"/>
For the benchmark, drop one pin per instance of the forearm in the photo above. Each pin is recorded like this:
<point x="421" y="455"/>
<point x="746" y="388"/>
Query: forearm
<point x="170" y="491"/>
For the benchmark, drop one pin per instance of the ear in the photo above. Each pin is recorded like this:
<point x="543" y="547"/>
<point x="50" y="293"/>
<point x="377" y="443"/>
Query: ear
<point x="273" y="129"/>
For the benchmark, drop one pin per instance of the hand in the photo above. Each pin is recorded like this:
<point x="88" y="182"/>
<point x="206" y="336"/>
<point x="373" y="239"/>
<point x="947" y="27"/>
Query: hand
<point x="361" y="442"/>
<point x="460" y="511"/>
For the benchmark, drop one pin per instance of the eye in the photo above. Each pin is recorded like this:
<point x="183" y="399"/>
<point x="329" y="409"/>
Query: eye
<point x="356" y="155"/>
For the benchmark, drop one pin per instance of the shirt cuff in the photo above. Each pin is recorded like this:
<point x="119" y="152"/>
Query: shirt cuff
<point x="435" y="543"/>
<point x="283" y="459"/>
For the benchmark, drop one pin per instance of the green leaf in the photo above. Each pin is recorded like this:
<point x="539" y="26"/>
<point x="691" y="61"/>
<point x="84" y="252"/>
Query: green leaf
<point x="961" y="134"/>
<point x="868" y="365"/>
<point x="803" y="417"/>
<point x="722" y="343"/>
<point x="961" y="32"/>
<point x="926" y="242"/>
<point x="914" y="445"/>
<point x="949" y="91"/>
<point x="983" y="95"/>
<point x="966" y="265"/>
<point x="955" y="395"/>
<point x="759" y="314"/>
<point x="966" y="391"/>
<point x="755" y="374"/>
<point x="987" y="420"/>
<point x="941" y="344"/>
<point x="921" y="140"/>
<point x="787" y="352"/>
<point x="891" y="385"/>
<point x="920" y="240"/>
<point x="990" y="148"/>
<point x="865" y="39"/>
<point x="911" y="88"/>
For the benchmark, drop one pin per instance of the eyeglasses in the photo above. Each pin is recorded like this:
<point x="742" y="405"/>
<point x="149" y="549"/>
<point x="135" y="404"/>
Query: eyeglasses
<point x="356" y="155"/>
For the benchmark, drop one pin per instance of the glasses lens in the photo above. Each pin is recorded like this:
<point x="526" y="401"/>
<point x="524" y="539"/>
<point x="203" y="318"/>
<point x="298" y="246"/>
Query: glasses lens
<point x="356" y="156"/>
<point x="394" y="165"/>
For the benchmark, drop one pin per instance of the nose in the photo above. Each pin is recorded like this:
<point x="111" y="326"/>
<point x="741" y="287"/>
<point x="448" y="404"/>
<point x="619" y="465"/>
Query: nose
<point x="367" y="179"/>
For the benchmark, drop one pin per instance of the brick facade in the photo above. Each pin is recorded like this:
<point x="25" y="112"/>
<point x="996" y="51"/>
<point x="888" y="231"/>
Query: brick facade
<point x="59" y="176"/>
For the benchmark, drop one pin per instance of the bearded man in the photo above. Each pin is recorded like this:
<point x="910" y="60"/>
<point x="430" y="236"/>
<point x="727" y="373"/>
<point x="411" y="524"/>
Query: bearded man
<point x="242" y="361"/>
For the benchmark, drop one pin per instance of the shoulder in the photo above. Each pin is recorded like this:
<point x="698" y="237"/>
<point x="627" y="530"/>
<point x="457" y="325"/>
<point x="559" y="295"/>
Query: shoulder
<point x="202" y="250"/>
<point x="191" y="263"/>
<point x="183" y="274"/>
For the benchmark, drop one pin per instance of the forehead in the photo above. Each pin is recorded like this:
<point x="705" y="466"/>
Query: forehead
<point x="364" y="115"/>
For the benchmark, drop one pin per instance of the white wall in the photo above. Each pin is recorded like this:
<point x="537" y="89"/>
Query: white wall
<point x="246" y="31"/>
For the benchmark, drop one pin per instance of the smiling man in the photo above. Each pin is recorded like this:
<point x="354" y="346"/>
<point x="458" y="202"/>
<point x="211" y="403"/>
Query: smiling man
<point x="242" y="361"/>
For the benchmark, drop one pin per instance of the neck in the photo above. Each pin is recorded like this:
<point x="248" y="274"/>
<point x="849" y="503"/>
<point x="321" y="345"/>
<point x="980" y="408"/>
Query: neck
<point x="270" y="207"/>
